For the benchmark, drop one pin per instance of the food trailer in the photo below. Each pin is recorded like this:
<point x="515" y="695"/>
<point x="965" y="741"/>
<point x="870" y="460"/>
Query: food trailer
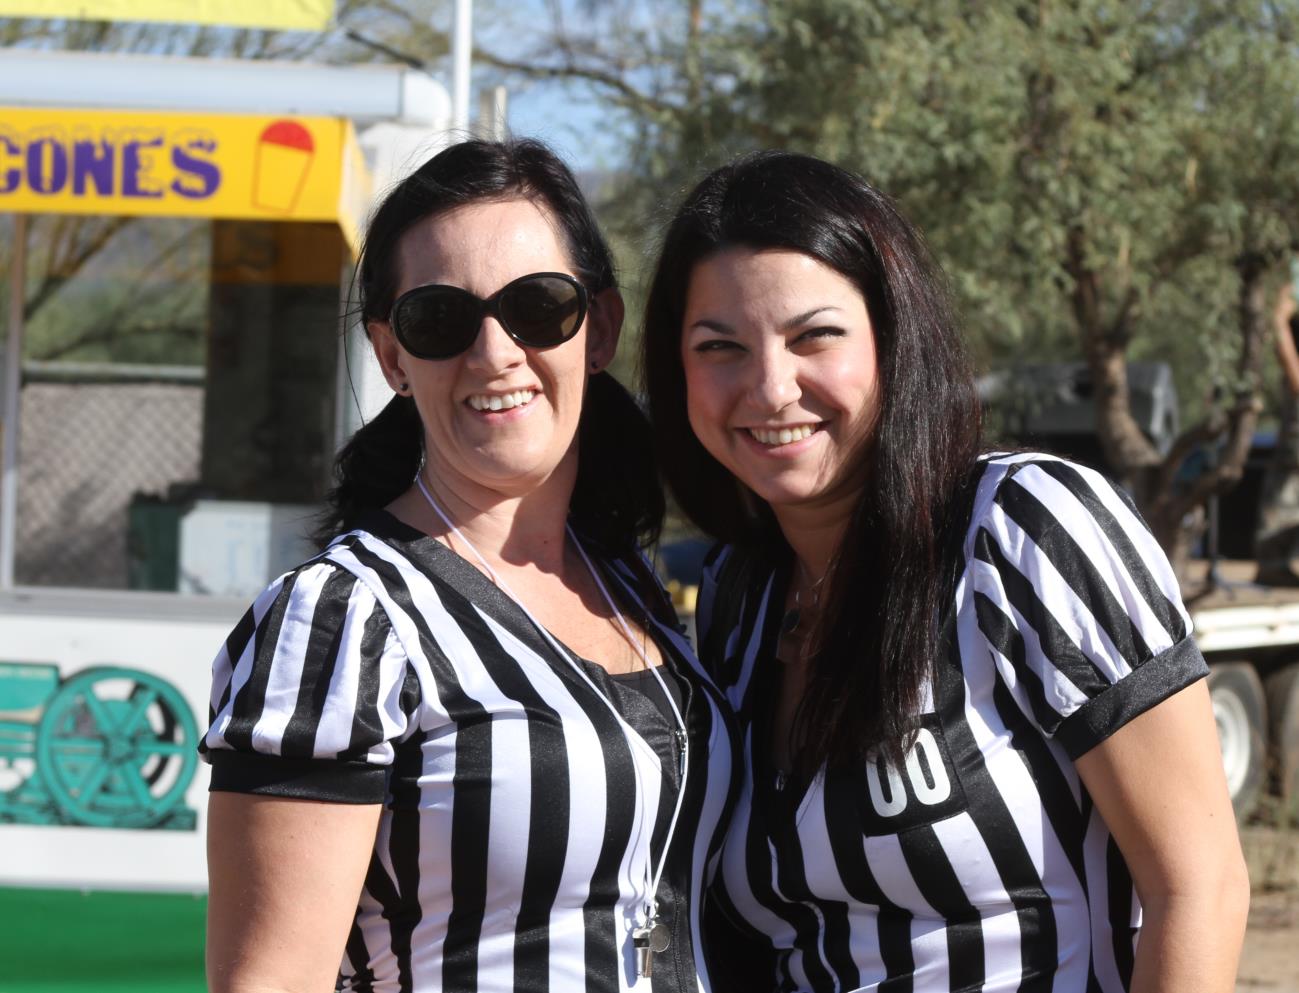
<point x="174" y="385"/>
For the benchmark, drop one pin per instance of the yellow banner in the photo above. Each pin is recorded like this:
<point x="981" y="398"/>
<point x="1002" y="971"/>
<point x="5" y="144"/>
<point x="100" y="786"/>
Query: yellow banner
<point x="182" y="165"/>
<point x="288" y="15"/>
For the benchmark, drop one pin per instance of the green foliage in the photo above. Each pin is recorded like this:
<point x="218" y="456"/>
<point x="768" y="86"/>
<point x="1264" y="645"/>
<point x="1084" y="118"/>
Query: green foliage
<point x="1140" y="147"/>
<point x="117" y="290"/>
<point x="112" y="289"/>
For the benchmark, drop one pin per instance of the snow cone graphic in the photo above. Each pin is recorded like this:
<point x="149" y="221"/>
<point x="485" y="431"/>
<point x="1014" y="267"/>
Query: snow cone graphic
<point x="284" y="154"/>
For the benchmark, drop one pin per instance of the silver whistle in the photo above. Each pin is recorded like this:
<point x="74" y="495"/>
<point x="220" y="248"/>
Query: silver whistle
<point x="648" y="941"/>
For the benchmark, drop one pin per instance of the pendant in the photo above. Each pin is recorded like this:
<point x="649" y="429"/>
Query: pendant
<point x="648" y="941"/>
<point x="789" y="623"/>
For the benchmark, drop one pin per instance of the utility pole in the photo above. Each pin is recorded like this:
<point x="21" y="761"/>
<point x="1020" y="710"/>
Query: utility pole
<point x="462" y="50"/>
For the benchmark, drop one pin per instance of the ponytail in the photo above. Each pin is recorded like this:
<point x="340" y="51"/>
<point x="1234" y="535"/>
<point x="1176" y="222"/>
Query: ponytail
<point x="617" y="501"/>
<point x="374" y="468"/>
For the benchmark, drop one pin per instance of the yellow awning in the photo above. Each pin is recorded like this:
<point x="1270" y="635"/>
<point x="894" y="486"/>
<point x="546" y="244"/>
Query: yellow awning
<point x="131" y="163"/>
<point x="289" y="15"/>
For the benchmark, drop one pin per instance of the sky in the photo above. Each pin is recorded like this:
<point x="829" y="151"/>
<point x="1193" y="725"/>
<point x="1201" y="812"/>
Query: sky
<point x="569" y="117"/>
<point x="569" y="122"/>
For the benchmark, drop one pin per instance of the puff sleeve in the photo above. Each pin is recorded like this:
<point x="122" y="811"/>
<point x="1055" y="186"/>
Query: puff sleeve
<point x="1077" y="603"/>
<point x="310" y="693"/>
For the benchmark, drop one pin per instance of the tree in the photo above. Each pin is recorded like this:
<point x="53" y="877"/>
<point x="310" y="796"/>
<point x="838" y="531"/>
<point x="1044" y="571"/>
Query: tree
<point x="1102" y="179"/>
<point x="136" y="278"/>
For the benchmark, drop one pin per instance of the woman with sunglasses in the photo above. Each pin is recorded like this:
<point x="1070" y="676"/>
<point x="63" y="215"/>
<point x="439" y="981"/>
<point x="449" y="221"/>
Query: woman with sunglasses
<point x="974" y="719"/>
<point x="466" y="748"/>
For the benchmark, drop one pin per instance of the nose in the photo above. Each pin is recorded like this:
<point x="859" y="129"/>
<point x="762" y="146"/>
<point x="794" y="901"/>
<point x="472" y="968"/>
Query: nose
<point x="774" y="385"/>
<point x="494" y="350"/>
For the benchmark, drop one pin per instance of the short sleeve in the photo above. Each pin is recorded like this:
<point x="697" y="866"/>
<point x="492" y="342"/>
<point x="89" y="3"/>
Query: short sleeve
<point x="310" y="693"/>
<point x="1078" y="603"/>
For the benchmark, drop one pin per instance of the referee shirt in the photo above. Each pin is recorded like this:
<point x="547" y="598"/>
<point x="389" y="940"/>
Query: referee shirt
<point x="981" y="863"/>
<point x="520" y="810"/>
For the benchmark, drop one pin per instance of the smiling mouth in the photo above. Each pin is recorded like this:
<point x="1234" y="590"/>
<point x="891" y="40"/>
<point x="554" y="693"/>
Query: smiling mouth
<point x="492" y="402"/>
<point x="775" y="437"/>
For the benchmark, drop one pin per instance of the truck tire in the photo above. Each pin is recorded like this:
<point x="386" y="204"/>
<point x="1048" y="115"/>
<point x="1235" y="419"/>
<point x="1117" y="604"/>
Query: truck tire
<point x="1282" y="690"/>
<point x="1239" y="712"/>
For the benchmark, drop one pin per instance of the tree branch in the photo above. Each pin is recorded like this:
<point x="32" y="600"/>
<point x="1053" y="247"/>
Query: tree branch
<point x="570" y="70"/>
<point x="59" y="270"/>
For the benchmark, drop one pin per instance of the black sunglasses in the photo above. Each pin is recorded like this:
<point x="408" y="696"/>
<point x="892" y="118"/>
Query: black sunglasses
<point x="539" y="310"/>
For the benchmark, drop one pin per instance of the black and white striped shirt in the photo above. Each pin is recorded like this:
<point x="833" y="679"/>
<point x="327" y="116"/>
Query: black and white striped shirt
<point x="520" y="810"/>
<point x="981" y="863"/>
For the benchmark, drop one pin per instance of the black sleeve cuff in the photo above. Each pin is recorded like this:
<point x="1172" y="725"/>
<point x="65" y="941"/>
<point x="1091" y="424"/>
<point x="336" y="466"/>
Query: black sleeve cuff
<point x="1150" y="683"/>
<point x="329" y="780"/>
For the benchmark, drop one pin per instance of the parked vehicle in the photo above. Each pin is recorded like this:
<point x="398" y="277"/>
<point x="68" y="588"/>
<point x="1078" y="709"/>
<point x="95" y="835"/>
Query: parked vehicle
<point x="1249" y="633"/>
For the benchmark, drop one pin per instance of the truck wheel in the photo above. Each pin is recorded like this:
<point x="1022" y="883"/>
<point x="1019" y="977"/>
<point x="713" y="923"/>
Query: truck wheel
<point x="1282" y="689"/>
<point x="1238" y="710"/>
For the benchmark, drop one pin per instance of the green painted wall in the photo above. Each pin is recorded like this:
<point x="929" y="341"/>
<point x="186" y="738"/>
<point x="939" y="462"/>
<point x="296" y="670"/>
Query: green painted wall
<point x="67" y="941"/>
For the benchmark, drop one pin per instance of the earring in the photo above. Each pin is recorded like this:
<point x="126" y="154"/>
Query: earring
<point x="595" y="366"/>
<point x="402" y="388"/>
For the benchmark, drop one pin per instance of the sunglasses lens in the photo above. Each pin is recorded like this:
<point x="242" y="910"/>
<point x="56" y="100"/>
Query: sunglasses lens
<point x="437" y="322"/>
<point x="542" y="310"/>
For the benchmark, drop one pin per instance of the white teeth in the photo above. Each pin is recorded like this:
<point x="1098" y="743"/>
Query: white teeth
<point x="782" y="436"/>
<point x="501" y="401"/>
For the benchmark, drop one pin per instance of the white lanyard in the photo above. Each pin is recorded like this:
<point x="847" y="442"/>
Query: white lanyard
<point x="651" y="935"/>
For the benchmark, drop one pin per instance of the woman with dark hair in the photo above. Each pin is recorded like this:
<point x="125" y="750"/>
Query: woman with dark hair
<point x="972" y="713"/>
<point x="465" y="748"/>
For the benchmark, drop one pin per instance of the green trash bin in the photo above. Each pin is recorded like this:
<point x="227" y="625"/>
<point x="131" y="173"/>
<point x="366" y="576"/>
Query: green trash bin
<point x="153" y="544"/>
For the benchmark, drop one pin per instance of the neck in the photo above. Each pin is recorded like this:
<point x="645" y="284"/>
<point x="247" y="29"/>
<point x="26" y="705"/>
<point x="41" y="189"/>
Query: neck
<point x="814" y="536"/>
<point x="507" y="529"/>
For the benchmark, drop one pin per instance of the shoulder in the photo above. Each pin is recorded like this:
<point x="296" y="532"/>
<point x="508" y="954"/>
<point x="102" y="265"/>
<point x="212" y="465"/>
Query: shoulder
<point x="1037" y="493"/>
<point x="1047" y="476"/>
<point x="310" y="605"/>
<point x="325" y="593"/>
<point x="734" y="611"/>
<point x="726" y="568"/>
<point x="1061" y="543"/>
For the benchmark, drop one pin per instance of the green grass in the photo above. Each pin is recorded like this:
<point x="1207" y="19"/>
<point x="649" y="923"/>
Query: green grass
<point x="67" y="941"/>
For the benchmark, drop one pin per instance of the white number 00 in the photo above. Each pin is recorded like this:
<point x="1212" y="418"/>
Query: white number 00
<point x="896" y="802"/>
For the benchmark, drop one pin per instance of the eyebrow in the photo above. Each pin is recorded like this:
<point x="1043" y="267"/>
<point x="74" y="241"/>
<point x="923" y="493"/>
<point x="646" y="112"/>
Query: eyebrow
<point x="721" y="327"/>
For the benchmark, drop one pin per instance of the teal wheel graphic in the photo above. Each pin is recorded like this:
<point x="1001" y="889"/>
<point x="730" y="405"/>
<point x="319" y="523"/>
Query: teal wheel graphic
<point x="116" y="748"/>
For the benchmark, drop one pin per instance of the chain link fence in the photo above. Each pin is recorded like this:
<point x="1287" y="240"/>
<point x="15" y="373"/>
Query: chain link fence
<point x="94" y="441"/>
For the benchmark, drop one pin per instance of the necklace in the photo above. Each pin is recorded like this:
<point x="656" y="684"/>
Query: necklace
<point x="793" y="618"/>
<point x="650" y="936"/>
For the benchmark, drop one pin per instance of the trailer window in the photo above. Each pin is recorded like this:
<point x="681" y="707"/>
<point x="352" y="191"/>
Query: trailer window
<point x="176" y="416"/>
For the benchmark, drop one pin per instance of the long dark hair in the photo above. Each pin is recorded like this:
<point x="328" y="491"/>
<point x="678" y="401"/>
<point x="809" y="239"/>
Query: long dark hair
<point x="877" y="637"/>
<point x="616" y="500"/>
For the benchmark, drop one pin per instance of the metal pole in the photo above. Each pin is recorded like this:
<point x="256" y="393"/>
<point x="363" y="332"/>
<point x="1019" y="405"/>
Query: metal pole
<point x="9" y="401"/>
<point x="492" y="112"/>
<point x="462" y="48"/>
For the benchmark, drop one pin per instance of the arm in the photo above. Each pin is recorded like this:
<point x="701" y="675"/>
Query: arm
<point x="284" y="878"/>
<point x="298" y="778"/>
<point x="1108" y="669"/>
<point x="1286" y="352"/>
<point x="1158" y="782"/>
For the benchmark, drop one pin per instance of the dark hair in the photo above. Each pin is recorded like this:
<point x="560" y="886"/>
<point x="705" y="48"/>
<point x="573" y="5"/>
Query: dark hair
<point x="616" y="500"/>
<point x="878" y="633"/>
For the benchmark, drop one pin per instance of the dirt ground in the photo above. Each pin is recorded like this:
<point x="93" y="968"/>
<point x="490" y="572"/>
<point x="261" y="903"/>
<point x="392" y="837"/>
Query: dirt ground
<point x="1270" y="960"/>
